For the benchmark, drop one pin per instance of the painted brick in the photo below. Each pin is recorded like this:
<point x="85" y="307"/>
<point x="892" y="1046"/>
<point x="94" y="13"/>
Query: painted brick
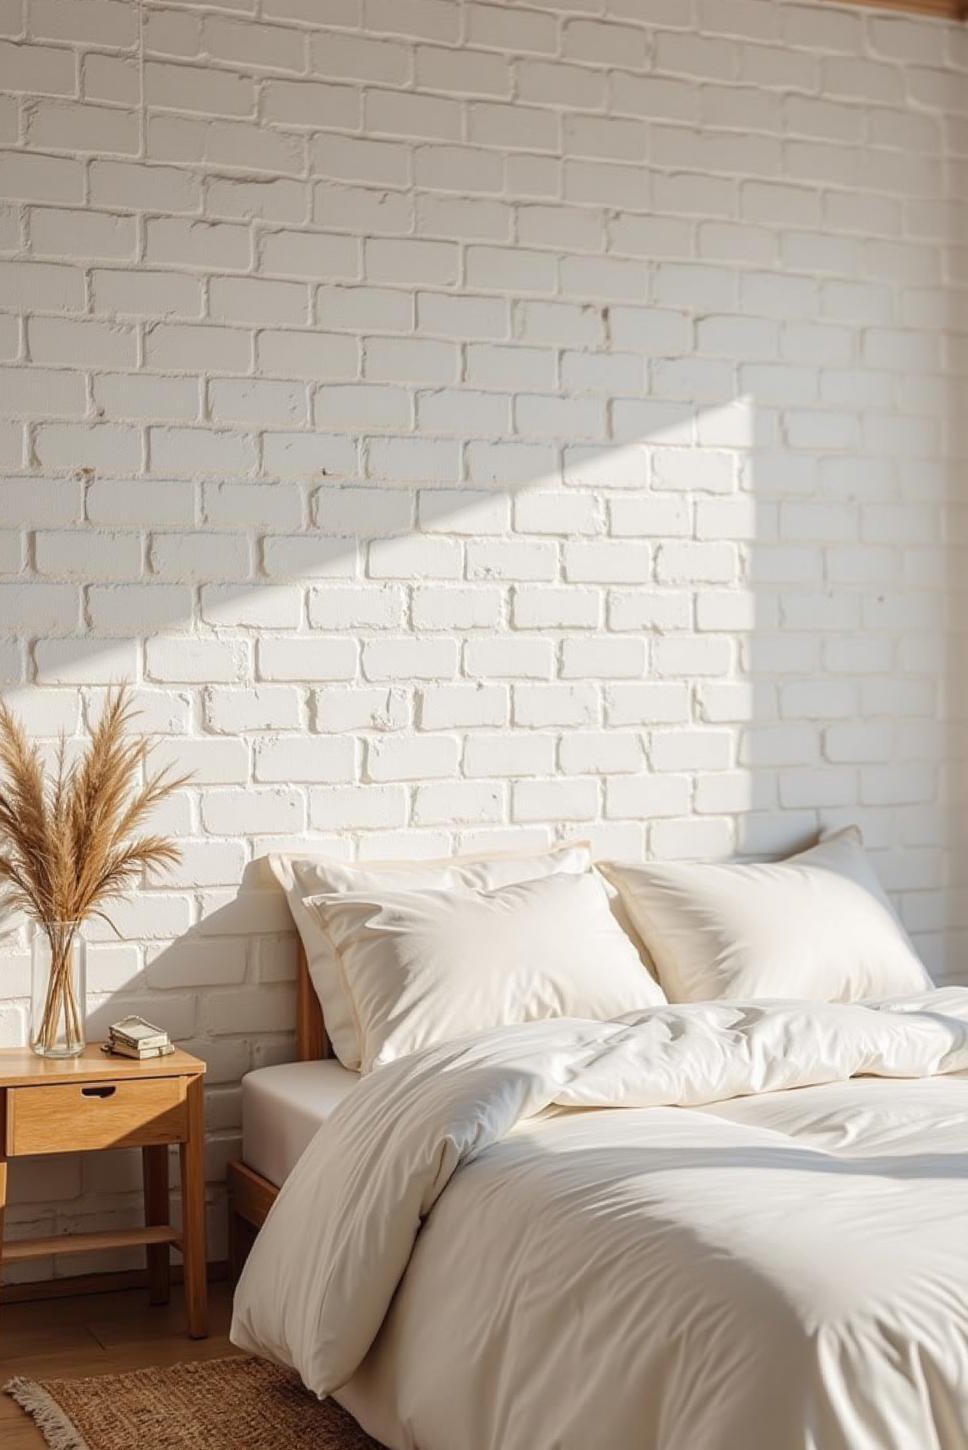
<point x="544" y="705"/>
<point x="479" y="607"/>
<point x="610" y="659"/>
<point x="44" y="69"/>
<point x="195" y="661"/>
<point x="62" y="126"/>
<point x="551" y="608"/>
<point x="310" y="758"/>
<point x="409" y="658"/>
<point x="133" y="395"/>
<point x="459" y="802"/>
<point x="505" y="657"/>
<point x="646" y="704"/>
<point x="70" y="555"/>
<point x="68" y="662"/>
<point x="357" y="807"/>
<point x="197" y="88"/>
<point x="607" y="563"/>
<point x="376" y="708"/>
<point x="509" y="754"/>
<point x="145" y="608"/>
<point x="415" y="557"/>
<point x="199" y="556"/>
<point x="400" y="757"/>
<point x="145" y="294"/>
<point x="643" y="797"/>
<point x="555" y="800"/>
<point x="366" y="606"/>
<point x="449" y="707"/>
<point x="302" y="659"/>
<point x="604" y="752"/>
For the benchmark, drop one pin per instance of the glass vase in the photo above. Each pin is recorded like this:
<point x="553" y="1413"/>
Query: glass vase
<point x="57" y="989"/>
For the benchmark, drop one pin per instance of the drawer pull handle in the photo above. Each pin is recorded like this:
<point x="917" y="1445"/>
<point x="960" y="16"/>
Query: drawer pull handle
<point x="99" y="1092"/>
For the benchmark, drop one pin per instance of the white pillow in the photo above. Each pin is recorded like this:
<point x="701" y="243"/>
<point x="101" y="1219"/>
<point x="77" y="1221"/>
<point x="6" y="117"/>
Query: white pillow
<point x="430" y="966"/>
<point x="303" y="876"/>
<point x="818" y="925"/>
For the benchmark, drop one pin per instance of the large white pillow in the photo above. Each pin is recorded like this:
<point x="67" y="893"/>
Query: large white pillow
<point x="303" y="876"/>
<point x="817" y="925"/>
<point x="430" y="966"/>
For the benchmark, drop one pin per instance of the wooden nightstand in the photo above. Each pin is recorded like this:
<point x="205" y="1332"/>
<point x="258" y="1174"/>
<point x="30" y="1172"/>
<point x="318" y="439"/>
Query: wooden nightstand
<point x="81" y="1104"/>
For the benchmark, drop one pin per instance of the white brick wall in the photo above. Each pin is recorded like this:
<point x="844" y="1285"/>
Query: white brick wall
<point x="474" y="424"/>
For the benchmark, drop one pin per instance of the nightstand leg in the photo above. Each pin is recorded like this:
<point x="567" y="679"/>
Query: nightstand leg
<point x="154" y="1167"/>
<point x="3" y="1200"/>
<point x="193" y="1213"/>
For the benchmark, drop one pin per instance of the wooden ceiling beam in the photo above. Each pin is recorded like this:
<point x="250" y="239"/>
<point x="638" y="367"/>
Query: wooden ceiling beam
<point x="945" y="9"/>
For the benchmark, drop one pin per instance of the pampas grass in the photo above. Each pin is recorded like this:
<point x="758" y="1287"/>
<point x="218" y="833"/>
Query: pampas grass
<point x="67" y="839"/>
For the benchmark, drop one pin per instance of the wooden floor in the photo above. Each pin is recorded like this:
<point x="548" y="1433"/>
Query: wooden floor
<point x="97" y="1334"/>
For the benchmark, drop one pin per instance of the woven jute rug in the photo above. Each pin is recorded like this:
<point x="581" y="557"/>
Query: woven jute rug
<point x="215" y="1404"/>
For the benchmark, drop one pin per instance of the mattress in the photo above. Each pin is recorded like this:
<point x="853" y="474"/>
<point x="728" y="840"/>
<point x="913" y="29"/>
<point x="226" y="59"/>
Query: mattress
<point x="283" y="1106"/>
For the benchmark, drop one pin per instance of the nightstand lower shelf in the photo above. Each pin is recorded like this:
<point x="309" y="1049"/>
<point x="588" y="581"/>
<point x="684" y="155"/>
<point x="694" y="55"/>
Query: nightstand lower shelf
<point x="123" y="1238"/>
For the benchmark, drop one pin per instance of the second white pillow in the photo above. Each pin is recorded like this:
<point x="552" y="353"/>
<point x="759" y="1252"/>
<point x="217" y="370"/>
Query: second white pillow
<point x="428" y="966"/>
<point x="817" y="925"/>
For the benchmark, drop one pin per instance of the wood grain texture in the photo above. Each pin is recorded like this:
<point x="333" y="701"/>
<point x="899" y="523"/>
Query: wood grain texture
<point x="944" y="9"/>
<point x="97" y="1334"/>
<point x="120" y="1238"/>
<point x="240" y="1238"/>
<point x="193" y="1212"/>
<point x="154" y="1171"/>
<point x="250" y="1197"/>
<point x="111" y="1281"/>
<point x="72" y="1117"/>
<point x="94" y="1102"/>
<point x="312" y="1042"/>
<point x="3" y="1202"/>
<point x="19" y="1067"/>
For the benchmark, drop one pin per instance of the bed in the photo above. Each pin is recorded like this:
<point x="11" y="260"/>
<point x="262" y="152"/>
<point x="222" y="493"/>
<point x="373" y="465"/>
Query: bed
<point x="702" y="1226"/>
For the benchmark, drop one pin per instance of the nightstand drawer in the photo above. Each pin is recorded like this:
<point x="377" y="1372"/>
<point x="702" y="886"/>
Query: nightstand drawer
<point x="67" y="1117"/>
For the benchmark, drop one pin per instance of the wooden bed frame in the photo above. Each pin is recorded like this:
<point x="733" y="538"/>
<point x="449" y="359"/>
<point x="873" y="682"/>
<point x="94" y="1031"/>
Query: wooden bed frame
<point x="250" y="1196"/>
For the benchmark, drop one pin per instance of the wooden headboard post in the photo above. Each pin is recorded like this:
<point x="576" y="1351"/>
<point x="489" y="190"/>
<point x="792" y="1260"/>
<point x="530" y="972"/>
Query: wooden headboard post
<point x="311" y="1040"/>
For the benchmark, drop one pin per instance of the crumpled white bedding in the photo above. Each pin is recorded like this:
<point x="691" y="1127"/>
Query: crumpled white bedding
<point x="764" y="1250"/>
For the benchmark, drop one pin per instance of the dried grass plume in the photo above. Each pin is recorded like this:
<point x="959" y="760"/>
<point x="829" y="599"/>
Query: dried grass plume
<point x="68" y="843"/>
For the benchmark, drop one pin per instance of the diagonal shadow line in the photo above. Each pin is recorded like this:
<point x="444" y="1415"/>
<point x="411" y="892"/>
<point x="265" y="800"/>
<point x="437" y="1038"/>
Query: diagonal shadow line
<point x="685" y="431"/>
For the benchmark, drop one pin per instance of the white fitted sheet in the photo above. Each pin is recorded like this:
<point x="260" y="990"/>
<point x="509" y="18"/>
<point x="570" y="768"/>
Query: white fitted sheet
<point x="283" y="1106"/>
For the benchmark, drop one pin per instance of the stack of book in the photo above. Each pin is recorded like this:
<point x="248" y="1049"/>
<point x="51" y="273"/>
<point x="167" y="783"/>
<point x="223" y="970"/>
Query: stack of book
<point x="134" y="1037"/>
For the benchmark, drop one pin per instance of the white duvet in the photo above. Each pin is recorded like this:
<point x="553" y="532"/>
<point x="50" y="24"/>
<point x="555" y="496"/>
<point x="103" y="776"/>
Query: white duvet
<point x="765" y="1249"/>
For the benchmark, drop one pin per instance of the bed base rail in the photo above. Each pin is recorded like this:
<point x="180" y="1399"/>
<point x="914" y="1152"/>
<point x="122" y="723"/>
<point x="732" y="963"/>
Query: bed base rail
<point x="250" y="1197"/>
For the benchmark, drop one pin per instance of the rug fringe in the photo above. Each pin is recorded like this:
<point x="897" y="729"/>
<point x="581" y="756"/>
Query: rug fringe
<point x="58" y="1429"/>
